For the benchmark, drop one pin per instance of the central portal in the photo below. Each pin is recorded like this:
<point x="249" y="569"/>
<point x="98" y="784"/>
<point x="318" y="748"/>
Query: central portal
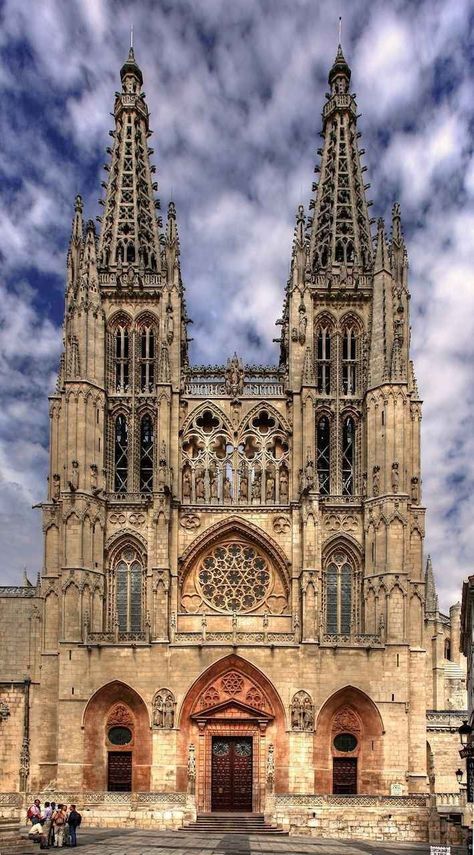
<point x="232" y="773"/>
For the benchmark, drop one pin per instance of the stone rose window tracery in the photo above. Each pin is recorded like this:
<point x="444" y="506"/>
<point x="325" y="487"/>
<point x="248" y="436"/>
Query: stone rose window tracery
<point x="234" y="577"/>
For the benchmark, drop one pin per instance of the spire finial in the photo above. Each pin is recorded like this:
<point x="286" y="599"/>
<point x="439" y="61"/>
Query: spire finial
<point x="340" y="31"/>
<point x="131" y="36"/>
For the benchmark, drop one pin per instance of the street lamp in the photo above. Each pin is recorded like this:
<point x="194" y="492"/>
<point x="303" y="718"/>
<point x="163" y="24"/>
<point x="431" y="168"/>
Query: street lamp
<point x="465" y="732"/>
<point x="459" y="773"/>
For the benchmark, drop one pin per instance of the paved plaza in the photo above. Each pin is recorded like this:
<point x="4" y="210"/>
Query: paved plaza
<point x="141" y="842"/>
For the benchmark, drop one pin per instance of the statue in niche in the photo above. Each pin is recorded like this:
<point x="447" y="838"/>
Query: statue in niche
<point x="309" y="474"/>
<point x="95" y="489"/>
<point x="395" y="477"/>
<point x="376" y="480"/>
<point x="257" y="485"/>
<point x="162" y="473"/>
<point x="227" y="490"/>
<point x="234" y="377"/>
<point x="186" y="485"/>
<point x="200" y="486"/>
<point x="74" y="479"/>
<point x="284" y="485"/>
<point x="213" y="483"/>
<point x="270" y="486"/>
<point x="244" y="488"/>
<point x="163" y="710"/>
<point x="302" y="323"/>
<point x="56" y="487"/>
<point x="302" y="713"/>
<point x="415" y="494"/>
<point x="169" y="323"/>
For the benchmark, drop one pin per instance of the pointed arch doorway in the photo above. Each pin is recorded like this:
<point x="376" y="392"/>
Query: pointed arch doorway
<point x="233" y="718"/>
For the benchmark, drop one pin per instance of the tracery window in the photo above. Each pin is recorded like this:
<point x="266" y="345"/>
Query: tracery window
<point x="128" y="590"/>
<point x="339" y="594"/>
<point x="252" y="470"/>
<point x="146" y="454"/>
<point x="147" y="358"/>
<point x="234" y="576"/>
<point x="349" y="361"/>
<point x="323" y="360"/>
<point x="121" y="454"/>
<point x="323" y="440"/>
<point x="348" y="456"/>
<point x="122" y="358"/>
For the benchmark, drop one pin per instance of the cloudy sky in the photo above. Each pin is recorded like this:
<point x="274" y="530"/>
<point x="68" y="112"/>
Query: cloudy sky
<point x="235" y="92"/>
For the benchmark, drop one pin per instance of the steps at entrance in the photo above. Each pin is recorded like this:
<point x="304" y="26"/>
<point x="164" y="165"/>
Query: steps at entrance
<point x="232" y="823"/>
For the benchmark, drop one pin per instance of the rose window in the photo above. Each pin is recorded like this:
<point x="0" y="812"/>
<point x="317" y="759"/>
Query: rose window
<point x="234" y="577"/>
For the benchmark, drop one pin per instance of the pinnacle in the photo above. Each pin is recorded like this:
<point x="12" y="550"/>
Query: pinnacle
<point x="340" y="67"/>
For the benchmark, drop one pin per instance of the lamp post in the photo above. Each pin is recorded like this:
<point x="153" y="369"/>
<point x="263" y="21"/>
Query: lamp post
<point x="467" y="753"/>
<point x="459" y="775"/>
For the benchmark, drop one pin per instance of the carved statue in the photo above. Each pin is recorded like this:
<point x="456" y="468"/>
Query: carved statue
<point x="271" y="764"/>
<point x="302" y="323"/>
<point x="213" y="482"/>
<point x="257" y="485"/>
<point x="227" y="490"/>
<point x="302" y="712"/>
<point x="395" y="477"/>
<point x="74" y="480"/>
<point x="376" y="480"/>
<point x="163" y="710"/>
<point x="309" y="474"/>
<point x="95" y="489"/>
<point x="186" y="485"/>
<point x="169" y="323"/>
<point x="200" y="487"/>
<point x="162" y="475"/>
<point x="192" y="763"/>
<point x="415" y="494"/>
<point x="234" y="377"/>
<point x="244" y="488"/>
<point x="56" y="487"/>
<point x="283" y="485"/>
<point x="270" y="486"/>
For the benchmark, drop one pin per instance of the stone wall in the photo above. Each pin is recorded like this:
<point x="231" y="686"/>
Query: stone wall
<point x="11" y="735"/>
<point x="363" y="817"/>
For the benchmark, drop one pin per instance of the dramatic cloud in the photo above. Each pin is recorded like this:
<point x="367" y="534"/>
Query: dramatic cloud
<point x="235" y="92"/>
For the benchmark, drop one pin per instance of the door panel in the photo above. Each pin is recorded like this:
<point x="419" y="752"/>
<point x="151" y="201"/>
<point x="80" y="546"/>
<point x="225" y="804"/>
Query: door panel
<point x="119" y="778"/>
<point x="344" y="775"/>
<point x="232" y="773"/>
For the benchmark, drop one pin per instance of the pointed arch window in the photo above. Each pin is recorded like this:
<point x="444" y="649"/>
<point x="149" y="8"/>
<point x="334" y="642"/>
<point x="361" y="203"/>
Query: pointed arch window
<point x="323" y="438"/>
<point x="323" y="360"/>
<point x="339" y="596"/>
<point x="348" y="456"/>
<point x="128" y="590"/>
<point x="349" y="361"/>
<point x="147" y="358"/>
<point x="122" y="358"/>
<point x="146" y="454"/>
<point x="121" y="454"/>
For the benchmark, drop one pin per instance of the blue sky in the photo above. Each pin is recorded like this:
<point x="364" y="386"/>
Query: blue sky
<point x="235" y="92"/>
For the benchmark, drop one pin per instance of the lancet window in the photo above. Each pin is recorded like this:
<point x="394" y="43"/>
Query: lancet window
<point x="252" y="470"/>
<point x="339" y="577"/>
<point x="121" y="454"/>
<point x="146" y="454"/>
<point x="147" y="358"/>
<point x="348" y="456"/>
<point x="323" y="359"/>
<point x="129" y="590"/>
<point x="323" y="457"/>
<point x="122" y="358"/>
<point x="349" y="361"/>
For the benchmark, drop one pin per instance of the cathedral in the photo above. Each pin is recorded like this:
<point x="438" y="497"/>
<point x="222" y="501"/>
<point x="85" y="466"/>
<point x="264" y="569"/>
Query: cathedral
<point x="234" y="612"/>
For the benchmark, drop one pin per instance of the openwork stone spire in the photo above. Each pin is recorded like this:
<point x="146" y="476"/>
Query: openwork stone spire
<point x="340" y="229"/>
<point x="130" y="228"/>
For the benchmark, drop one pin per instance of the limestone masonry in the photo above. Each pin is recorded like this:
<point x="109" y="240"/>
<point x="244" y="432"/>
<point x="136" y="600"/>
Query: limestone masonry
<point x="234" y="611"/>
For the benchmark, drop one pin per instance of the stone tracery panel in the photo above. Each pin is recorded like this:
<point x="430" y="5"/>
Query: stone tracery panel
<point x="234" y="576"/>
<point x="234" y="685"/>
<point x="217" y="469"/>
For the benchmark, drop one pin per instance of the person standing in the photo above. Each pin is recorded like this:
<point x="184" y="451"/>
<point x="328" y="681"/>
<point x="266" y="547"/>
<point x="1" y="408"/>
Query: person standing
<point x="74" y="822"/>
<point x="34" y="812"/>
<point x="59" y="822"/>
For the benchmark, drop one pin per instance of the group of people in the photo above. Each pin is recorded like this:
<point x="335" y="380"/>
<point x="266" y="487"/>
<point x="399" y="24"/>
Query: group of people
<point x="54" y="825"/>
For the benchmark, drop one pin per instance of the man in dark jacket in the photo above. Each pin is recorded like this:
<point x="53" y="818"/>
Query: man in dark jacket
<point x="74" y="821"/>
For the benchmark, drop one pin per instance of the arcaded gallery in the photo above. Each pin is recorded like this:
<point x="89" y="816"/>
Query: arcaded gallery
<point x="234" y="612"/>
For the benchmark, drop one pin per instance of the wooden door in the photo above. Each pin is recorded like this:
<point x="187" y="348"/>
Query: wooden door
<point x="119" y="777"/>
<point x="232" y="773"/>
<point x="344" y="775"/>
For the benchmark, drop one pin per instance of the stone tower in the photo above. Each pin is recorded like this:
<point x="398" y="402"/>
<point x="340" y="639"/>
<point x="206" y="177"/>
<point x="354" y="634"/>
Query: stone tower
<point x="233" y="577"/>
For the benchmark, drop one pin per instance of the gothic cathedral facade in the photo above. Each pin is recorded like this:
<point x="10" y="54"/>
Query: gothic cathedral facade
<point x="233" y="612"/>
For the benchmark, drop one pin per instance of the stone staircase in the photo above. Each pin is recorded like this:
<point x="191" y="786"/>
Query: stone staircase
<point x="232" y="823"/>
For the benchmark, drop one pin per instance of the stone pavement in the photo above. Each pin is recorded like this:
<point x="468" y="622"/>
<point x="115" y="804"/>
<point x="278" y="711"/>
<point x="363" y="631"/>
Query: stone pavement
<point x="140" y="842"/>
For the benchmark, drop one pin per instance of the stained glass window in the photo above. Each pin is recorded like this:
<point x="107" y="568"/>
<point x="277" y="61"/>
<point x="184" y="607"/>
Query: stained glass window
<point x="339" y="595"/>
<point x="128" y="587"/>
<point x="234" y="577"/>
